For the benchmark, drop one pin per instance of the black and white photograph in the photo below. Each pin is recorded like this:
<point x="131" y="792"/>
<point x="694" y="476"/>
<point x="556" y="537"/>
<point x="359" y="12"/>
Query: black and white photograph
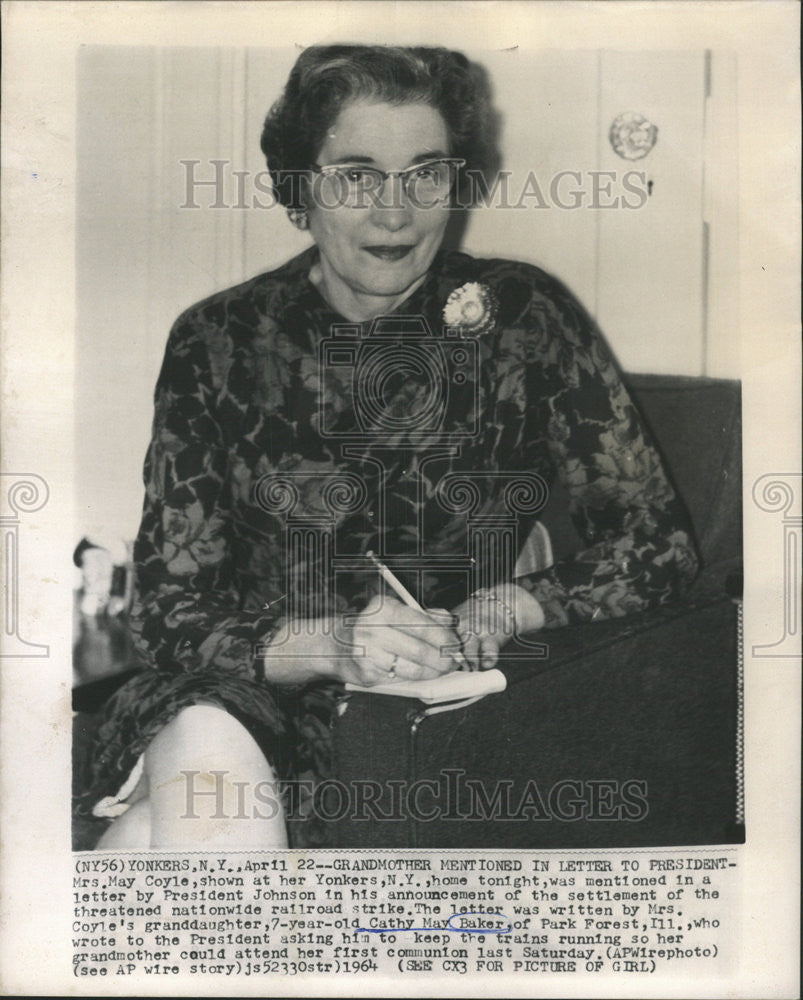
<point x="409" y="453"/>
<point x="418" y="454"/>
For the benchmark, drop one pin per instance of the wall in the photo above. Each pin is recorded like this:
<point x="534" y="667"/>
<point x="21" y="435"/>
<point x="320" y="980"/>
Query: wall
<point x="659" y="278"/>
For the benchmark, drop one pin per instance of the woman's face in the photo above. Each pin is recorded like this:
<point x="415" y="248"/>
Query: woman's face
<point x="372" y="253"/>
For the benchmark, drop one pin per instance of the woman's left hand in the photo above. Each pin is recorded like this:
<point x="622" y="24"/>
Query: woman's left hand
<point x="486" y="623"/>
<point x="480" y="646"/>
<point x="481" y="651"/>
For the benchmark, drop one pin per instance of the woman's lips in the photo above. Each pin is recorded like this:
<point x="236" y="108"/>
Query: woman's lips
<point x="389" y="253"/>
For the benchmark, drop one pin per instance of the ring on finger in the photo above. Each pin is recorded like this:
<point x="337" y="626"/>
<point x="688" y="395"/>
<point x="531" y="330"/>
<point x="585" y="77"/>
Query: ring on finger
<point x="392" y="667"/>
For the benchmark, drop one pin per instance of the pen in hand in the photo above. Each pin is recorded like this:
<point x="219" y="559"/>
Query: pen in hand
<point x="407" y="598"/>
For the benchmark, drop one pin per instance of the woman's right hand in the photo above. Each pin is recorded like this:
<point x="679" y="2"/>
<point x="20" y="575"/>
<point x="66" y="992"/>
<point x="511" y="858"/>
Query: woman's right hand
<point x="390" y="640"/>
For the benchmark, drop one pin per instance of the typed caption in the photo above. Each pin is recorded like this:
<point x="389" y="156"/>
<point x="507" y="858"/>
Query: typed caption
<point x="416" y="914"/>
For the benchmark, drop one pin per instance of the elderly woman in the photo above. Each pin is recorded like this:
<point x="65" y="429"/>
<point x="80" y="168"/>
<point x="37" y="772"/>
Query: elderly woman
<point x="264" y="394"/>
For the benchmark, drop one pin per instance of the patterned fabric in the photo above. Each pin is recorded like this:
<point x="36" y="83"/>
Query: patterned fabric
<point x="393" y="439"/>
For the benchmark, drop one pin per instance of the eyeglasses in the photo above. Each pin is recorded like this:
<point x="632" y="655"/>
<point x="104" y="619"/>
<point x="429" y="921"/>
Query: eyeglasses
<point x="358" y="186"/>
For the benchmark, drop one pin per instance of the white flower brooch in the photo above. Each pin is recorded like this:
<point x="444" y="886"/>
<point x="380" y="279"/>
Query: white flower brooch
<point x="471" y="308"/>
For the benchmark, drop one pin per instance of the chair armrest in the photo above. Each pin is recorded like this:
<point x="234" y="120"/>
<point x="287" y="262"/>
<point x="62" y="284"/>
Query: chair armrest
<point x="717" y="584"/>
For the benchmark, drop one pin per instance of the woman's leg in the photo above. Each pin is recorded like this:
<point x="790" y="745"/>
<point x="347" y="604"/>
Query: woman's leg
<point x="205" y="771"/>
<point x="209" y="786"/>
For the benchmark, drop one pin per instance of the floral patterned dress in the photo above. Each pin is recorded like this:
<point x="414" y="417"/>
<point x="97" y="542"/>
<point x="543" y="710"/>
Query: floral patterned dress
<point x="288" y="442"/>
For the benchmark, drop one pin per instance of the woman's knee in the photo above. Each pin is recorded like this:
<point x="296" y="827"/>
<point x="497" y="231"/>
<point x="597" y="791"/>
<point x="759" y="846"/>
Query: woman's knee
<point x="202" y="769"/>
<point x="205" y="737"/>
<point x="198" y="728"/>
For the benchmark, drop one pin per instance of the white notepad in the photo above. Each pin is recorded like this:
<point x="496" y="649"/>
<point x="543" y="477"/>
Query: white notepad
<point x="455" y="686"/>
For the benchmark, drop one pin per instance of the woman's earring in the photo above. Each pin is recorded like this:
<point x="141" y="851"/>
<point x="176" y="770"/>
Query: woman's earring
<point x="298" y="217"/>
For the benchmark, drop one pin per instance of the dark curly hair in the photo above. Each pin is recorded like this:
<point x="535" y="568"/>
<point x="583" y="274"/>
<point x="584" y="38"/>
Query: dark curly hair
<point x="327" y="77"/>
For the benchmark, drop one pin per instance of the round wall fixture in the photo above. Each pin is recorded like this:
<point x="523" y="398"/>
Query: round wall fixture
<point x="632" y="135"/>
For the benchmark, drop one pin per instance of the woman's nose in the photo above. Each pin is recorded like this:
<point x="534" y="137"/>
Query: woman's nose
<point x="391" y="208"/>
